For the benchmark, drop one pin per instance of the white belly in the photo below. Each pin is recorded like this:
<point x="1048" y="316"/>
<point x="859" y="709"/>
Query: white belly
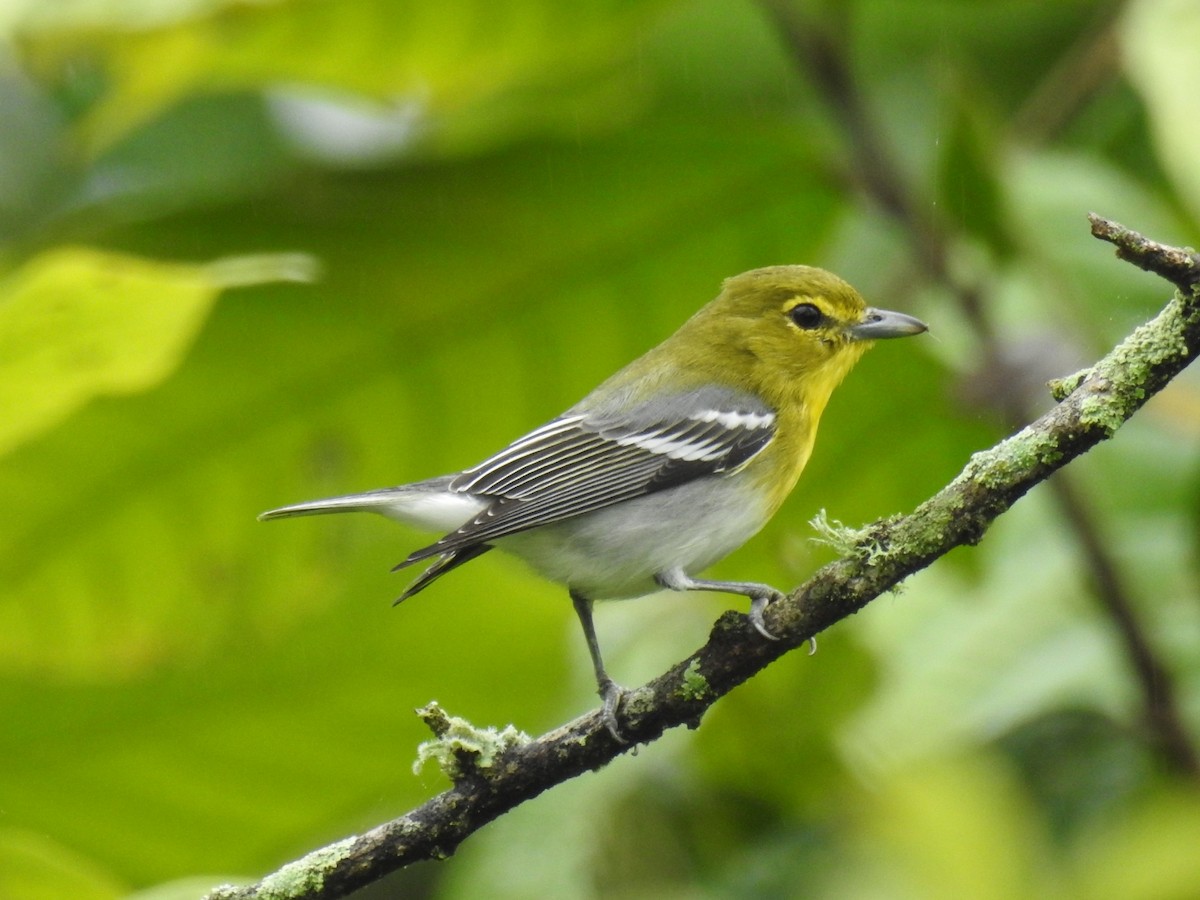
<point x="616" y="552"/>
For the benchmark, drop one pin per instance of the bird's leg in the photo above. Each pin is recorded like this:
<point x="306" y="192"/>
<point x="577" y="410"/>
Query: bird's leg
<point x="610" y="691"/>
<point x="761" y="595"/>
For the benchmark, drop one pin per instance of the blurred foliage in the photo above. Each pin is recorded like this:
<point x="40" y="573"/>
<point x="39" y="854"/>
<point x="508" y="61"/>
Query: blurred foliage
<point x="507" y="202"/>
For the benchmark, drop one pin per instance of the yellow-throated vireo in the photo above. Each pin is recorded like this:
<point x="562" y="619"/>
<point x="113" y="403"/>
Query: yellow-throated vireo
<point x="665" y="468"/>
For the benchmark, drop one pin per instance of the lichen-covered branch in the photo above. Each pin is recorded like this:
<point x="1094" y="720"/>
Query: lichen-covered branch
<point x="818" y="50"/>
<point x="1093" y="405"/>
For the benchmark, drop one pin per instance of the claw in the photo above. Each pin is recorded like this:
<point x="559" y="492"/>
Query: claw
<point x="757" y="606"/>
<point x="812" y="645"/>
<point x="611" y="693"/>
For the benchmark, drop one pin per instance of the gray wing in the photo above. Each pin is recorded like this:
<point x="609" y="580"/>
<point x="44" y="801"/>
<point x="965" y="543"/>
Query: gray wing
<point x="579" y="462"/>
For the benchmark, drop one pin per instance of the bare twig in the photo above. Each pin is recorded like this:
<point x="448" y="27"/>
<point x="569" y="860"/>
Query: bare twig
<point x="1093" y="407"/>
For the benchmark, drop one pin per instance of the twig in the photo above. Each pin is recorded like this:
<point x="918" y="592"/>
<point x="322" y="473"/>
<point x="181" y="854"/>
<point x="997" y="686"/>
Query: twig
<point x="1094" y="406"/>
<point x="1180" y="266"/>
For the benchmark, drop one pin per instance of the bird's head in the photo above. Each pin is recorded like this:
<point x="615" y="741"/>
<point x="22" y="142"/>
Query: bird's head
<point x="790" y="327"/>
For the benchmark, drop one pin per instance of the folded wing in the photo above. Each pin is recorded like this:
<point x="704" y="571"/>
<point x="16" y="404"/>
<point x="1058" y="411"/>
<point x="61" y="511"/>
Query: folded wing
<point x="582" y="462"/>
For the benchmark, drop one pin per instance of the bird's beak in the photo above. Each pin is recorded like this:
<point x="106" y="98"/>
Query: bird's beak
<point x="883" y="323"/>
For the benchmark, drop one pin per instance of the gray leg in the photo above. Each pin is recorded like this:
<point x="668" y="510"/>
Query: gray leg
<point x="761" y="595"/>
<point x="610" y="691"/>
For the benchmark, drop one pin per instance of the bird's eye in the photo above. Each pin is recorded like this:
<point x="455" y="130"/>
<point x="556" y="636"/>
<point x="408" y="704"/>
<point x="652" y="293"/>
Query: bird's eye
<point x="806" y="315"/>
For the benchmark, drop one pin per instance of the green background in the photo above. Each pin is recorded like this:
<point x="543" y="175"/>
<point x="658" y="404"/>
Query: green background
<point x="260" y="252"/>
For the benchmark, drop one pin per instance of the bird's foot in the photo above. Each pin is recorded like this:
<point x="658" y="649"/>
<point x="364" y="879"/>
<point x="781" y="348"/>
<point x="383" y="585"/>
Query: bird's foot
<point x="611" y="693"/>
<point x="758" y="605"/>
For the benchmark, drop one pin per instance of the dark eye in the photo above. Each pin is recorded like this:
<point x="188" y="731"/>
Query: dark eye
<point x="806" y="315"/>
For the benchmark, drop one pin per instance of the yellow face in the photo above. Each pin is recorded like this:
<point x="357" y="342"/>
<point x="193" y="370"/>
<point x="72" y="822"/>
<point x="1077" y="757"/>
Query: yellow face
<point x="786" y="333"/>
<point x="793" y="330"/>
<point x="794" y="320"/>
<point x="817" y="322"/>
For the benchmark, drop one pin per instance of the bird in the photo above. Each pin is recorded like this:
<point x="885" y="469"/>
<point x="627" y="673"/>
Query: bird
<point x="666" y="467"/>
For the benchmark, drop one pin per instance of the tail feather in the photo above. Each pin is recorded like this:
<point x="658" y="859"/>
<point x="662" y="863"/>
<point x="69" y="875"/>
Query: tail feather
<point x="445" y="563"/>
<point x="372" y="501"/>
<point x="427" y="505"/>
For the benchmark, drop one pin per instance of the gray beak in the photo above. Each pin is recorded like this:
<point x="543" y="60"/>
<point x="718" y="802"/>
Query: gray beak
<point x="883" y="323"/>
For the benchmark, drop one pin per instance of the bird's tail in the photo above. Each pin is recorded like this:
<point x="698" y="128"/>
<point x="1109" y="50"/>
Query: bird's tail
<point x="427" y="505"/>
<point x="373" y="501"/>
<point x="445" y="563"/>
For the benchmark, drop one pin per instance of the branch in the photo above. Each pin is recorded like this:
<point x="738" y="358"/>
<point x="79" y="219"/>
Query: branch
<point x="818" y="51"/>
<point x="493" y="772"/>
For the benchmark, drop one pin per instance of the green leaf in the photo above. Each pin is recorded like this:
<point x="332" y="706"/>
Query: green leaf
<point x="446" y="57"/>
<point x="78" y="323"/>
